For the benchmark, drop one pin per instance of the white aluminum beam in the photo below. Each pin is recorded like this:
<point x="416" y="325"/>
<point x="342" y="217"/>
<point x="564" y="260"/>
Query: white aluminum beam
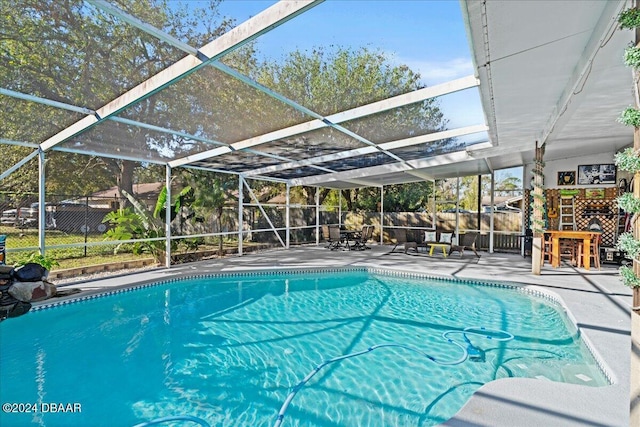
<point x="114" y="11"/>
<point x="484" y="150"/>
<point x="39" y="100"/>
<point x="18" y="165"/>
<point x="123" y="120"/>
<point x="110" y="156"/>
<point x="18" y="143"/>
<point x="363" y="173"/>
<point x="354" y="113"/>
<point x="233" y="39"/>
<point x="417" y="140"/>
<point x="317" y="199"/>
<point x="287" y="216"/>
<point x="421" y="174"/>
<point x="364" y="183"/>
<point x="406" y="99"/>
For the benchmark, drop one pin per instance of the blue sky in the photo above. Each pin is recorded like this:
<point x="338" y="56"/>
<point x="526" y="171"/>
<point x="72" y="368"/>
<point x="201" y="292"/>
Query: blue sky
<point x="427" y="35"/>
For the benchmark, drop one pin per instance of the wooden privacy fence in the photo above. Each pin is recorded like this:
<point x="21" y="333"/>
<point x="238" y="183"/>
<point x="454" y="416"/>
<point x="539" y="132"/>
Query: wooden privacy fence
<point x="507" y="225"/>
<point x="502" y="242"/>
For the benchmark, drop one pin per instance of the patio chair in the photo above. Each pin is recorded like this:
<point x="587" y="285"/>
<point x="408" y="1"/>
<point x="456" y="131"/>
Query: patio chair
<point x="361" y="240"/>
<point x="401" y="239"/>
<point x="335" y="237"/>
<point x="3" y="250"/>
<point x="330" y="236"/>
<point x="466" y="241"/>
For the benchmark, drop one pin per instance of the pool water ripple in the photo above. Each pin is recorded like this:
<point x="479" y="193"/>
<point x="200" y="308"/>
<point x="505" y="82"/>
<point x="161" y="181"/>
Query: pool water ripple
<point x="229" y="350"/>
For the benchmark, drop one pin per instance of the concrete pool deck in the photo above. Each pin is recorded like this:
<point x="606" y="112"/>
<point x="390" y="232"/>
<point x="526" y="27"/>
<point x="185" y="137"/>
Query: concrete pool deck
<point x="596" y="301"/>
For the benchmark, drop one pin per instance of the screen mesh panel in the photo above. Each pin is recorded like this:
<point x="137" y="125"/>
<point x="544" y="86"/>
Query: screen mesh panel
<point x="237" y="161"/>
<point x="85" y="56"/>
<point x="312" y="144"/>
<point x="113" y="138"/>
<point x="43" y="122"/>
<point x="211" y="104"/>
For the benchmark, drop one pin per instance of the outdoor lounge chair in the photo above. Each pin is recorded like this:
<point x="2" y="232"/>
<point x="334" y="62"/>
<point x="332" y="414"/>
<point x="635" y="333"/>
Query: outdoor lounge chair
<point x="465" y="241"/>
<point x="401" y="239"/>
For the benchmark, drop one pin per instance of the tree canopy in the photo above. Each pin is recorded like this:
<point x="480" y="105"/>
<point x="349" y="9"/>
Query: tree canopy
<point x="71" y="52"/>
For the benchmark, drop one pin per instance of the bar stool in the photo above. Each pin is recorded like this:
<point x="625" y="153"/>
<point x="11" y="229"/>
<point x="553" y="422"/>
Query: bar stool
<point x="594" y="252"/>
<point x="568" y="250"/>
<point x="547" y="248"/>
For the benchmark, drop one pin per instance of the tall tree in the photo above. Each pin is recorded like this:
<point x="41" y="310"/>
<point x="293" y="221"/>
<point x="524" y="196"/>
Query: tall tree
<point x="68" y="51"/>
<point x="332" y="80"/>
<point x="213" y="191"/>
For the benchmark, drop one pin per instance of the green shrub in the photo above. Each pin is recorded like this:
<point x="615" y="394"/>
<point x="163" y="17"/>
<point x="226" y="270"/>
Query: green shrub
<point x="46" y="261"/>
<point x="632" y="57"/>
<point x="629" y="203"/>
<point x="629" y="278"/>
<point x="628" y="160"/>
<point x="630" y="117"/>
<point x="629" y="19"/>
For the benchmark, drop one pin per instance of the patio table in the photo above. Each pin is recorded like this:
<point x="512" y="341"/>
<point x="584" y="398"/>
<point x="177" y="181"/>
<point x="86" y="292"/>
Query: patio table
<point x="349" y="235"/>
<point x="585" y="236"/>
<point x="443" y="247"/>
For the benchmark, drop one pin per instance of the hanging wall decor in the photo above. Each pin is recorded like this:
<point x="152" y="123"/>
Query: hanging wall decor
<point x="567" y="178"/>
<point x="597" y="174"/>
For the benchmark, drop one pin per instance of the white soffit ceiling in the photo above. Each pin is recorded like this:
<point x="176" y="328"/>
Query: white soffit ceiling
<point x="551" y="71"/>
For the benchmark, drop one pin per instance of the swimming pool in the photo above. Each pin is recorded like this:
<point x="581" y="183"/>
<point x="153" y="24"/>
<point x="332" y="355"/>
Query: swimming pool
<point x="230" y="350"/>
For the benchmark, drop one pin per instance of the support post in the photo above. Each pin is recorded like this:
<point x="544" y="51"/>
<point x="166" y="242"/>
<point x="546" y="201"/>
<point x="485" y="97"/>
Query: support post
<point x="382" y="215"/>
<point x="634" y="416"/>
<point x="317" y="215"/>
<point x="287" y="215"/>
<point x="636" y="231"/>
<point x="240" y="214"/>
<point x="492" y="201"/>
<point x="167" y="219"/>
<point x="537" y="222"/>
<point x="479" y="215"/>
<point x="456" y="232"/>
<point x="41" y="202"/>
<point x="634" y="395"/>
<point x="340" y="208"/>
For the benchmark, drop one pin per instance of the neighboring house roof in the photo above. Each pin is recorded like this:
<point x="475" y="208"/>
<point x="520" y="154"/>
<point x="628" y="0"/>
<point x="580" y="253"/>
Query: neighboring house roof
<point x="147" y="189"/>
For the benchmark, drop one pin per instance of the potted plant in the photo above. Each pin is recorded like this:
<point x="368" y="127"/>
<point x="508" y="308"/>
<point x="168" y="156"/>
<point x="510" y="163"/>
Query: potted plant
<point x="45" y="261"/>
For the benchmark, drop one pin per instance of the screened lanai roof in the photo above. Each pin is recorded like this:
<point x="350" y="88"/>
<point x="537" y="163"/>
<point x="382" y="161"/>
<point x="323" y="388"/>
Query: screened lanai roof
<point x="546" y="71"/>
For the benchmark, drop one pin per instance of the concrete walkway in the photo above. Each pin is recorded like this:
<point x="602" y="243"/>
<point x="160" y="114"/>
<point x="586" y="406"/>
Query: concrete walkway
<point x="596" y="301"/>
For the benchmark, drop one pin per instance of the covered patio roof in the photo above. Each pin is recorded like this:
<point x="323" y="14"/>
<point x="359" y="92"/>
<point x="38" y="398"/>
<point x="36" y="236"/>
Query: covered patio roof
<point x="549" y="72"/>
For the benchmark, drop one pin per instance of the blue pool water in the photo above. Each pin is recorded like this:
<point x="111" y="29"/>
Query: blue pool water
<point x="230" y="349"/>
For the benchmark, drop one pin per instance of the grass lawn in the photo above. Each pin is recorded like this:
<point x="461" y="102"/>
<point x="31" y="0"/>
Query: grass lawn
<point x="78" y="256"/>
